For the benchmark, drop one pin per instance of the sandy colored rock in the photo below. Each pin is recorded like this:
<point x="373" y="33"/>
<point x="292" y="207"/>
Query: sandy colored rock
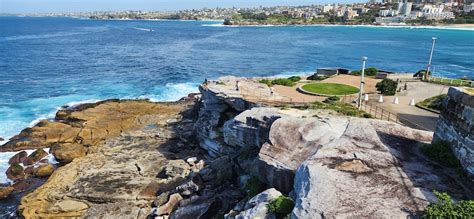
<point x="34" y="157"/>
<point x="5" y="191"/>
<point x="67" y="152"/>
<point x="118" y="178"/>
<point x="170" y="205"/>
<point x="355" y="166"/>
<point x="44" y="170"/>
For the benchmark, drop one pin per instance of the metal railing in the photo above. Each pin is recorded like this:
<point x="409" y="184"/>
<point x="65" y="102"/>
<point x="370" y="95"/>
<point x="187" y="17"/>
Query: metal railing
<point x="378" y="112"/>
<point x="451" y="81"/>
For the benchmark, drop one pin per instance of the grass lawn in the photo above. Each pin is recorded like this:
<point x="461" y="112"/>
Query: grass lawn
<point x="433" y="103"/>
<point x="330" y="89"/>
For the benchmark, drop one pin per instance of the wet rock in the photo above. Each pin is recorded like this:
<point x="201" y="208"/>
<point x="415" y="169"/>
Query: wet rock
<point x="34" y="157"/>
<point x="30" y="170"/>
<point x="18" y="157"/>
<point x="44" y="170"/>
<point x="15" y="171"/>
<point x="67" y="152"/>
<point x="5" y="191"/>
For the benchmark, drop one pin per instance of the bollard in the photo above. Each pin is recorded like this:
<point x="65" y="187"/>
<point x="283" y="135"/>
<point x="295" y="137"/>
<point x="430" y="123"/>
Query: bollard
<point x="412" y="102"/>
<point x="381" y="99"/>
<point x="366" y="97"/>
<point x="395" y="100"/>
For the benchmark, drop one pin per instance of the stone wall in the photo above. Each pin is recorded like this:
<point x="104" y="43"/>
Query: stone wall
<point x="456" y="125"/>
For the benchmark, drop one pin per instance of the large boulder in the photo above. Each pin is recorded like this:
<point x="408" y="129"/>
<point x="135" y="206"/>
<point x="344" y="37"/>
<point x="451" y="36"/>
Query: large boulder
<point x="44" y="170"/>
<point x="291" y="142"/>
<point x="67" y="152"/>
<point x="15" y="171"/>
<point x="18" y="157"/>
<point x="34" y="157"/>
<point x="375" y="169"/>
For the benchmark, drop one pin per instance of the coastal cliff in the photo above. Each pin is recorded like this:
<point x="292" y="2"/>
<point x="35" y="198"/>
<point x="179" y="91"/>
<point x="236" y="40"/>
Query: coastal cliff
<point x="224" y="152"/>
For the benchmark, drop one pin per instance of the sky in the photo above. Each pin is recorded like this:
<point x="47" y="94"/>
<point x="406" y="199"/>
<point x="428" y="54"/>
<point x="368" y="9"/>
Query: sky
<point x="45" y="6"/>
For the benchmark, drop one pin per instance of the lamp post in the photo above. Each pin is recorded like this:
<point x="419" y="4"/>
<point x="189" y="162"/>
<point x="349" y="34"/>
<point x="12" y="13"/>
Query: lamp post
<point x="426" y="75"/>
<point x="362" y="83"/>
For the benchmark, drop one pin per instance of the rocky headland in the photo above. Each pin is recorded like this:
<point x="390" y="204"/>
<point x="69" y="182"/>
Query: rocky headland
<point x="223" y="153"/>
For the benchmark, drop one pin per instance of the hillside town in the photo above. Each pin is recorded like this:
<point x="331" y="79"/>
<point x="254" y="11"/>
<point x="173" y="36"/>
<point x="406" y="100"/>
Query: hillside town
<point x="387" y="12"/>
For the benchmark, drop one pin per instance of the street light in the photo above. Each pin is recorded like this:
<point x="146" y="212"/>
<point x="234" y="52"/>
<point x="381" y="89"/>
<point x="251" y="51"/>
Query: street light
<point x="362" y="83"/>
<point x="426" y="75"/>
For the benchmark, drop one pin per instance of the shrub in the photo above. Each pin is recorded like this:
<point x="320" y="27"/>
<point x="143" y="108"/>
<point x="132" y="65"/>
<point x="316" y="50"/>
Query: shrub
<point x="367" y="72"/>
<point x="367" y="115"/>
<point x="281" y="206"/>
<point x="387" y="87"/>
<point x="371" y="71"/>
<point x="294" y="78"/>
<point x="440" y="151"/>
<point x="265" y="81"/>
<point x="254" y="186"/>
<point x="284" y="82"/>
<point x="446" y="208"/>
<point x="420" y="73"/>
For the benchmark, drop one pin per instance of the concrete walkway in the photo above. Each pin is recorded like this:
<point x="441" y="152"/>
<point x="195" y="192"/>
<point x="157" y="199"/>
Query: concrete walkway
<point x="412" y="115"/>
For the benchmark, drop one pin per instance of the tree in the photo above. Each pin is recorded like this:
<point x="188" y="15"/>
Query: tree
<point x="387" y="87"/>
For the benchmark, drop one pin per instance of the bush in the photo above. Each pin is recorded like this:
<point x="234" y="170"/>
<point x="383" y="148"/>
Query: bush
<point x="254" y="186"/>
<point x="294" y="78"/>
<point x="440" y="151"/>
<point x="446" y="208"/>
<point x="367" y="115"/>
<point x="387" y="87"/>
<point x="284" y="82"/>
<point x="367" y="72"/>
<point x="266" y="81"/>
<point x="281" y="206"/>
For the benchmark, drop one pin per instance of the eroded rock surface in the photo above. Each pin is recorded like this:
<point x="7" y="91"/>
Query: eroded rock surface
<point x="119" y="173"/>
<point x="374" y="169"/>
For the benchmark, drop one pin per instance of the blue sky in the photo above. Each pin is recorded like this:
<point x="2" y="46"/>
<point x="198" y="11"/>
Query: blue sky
<point x="31" y="6"/>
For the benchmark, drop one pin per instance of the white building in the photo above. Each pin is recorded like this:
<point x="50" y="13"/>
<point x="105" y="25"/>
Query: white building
<point x="404" y="8"/>
<point x="434" y="12"/>
<point x="388" y="13"/>
<point x="468" y="8"/>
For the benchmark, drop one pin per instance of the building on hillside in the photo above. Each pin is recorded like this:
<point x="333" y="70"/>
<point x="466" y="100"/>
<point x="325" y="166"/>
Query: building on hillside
<point x="435" y="12"/>
<point x="388" y="20"/>
<point x="468" y="8"/>
<point x="404" y="8"/>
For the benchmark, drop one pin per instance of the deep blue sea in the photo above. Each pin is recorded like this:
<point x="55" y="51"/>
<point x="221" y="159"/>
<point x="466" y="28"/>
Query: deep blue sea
<point x="46" y="63"/>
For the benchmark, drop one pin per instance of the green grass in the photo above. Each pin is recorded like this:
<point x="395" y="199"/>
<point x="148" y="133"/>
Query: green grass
<point x="343" y="108"/>
<point x="290" y="82"/>
<point x="433" y="103"/>
<point x="330" y="89"/>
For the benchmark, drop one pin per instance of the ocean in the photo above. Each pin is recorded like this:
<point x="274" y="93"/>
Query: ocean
<point x="48" y="62"/>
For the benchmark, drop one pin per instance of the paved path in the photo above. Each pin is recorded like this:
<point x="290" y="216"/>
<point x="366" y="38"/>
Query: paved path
<point x="412" y="115"/>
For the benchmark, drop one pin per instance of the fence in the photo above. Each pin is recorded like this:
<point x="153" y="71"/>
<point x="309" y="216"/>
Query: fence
<point x="381" y="113"/>
<point x="451" y="81"/>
